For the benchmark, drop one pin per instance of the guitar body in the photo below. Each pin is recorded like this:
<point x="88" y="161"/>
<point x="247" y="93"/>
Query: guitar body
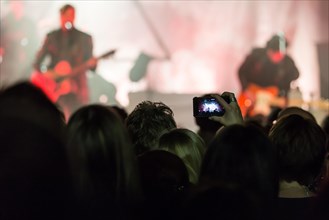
<point x="257" y="100"/>
<point x="57" y="82"/>
<point x="48" y="81"/>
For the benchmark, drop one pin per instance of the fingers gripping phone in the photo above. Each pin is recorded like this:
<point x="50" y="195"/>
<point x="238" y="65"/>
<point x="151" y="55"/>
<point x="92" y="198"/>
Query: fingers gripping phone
<point x="207" y="106"/>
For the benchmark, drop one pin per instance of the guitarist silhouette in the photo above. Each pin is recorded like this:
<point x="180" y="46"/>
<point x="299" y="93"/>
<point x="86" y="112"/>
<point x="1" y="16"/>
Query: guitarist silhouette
<point x="265" y="76"/>
<point x="70" y="53"/>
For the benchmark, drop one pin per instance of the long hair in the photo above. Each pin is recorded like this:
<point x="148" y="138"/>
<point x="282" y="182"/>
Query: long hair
<point x="102" y="160"/>
<point x="187" y="145"/>
<point x="35" y="182"/>
<point x="242" y="155"/>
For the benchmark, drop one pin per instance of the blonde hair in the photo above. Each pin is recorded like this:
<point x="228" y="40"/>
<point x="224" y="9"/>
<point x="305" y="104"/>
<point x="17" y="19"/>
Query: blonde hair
<point x="187" y="145"/>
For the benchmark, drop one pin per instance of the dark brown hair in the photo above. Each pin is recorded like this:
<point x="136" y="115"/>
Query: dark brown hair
<point x="65" y="8"/>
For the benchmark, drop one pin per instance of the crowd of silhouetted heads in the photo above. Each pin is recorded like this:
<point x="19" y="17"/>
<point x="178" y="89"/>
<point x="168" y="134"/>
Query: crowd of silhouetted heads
<point x="106" y="163"/>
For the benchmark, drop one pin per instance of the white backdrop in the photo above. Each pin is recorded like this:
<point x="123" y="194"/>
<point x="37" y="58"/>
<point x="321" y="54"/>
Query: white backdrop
<point x="196" y="46"/>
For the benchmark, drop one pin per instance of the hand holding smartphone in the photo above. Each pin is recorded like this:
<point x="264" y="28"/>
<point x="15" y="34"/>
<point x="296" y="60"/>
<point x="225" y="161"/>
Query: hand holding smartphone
<point x="207" y="106"/>
<point x="222" y="108"/>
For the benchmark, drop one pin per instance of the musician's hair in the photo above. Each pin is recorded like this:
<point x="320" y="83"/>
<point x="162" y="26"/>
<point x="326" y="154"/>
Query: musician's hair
<point x="65" y="8"/>
<point x="274" y="42"/>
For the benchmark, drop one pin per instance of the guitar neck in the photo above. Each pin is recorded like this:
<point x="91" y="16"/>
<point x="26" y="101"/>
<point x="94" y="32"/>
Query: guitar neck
<point x="73" y="73"/>
<point x="79" y="69"/>
<point x="83" y="67"/>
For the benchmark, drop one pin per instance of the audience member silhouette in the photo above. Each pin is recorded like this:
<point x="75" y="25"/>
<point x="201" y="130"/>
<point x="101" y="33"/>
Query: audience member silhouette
<point x="207" y="128"/>
<point x="295" y="110"/>
<point x="103" y="164"/>
<point x="300" y="144"/>
<point x="324" y="174"/>
<point x="121" y="111"/>
<point x="325" y="125"/>
<point x="187" y="145"/>
<point x="165" y="183"/>
<point x="26" y="102"/>
<point x="243" y="156"/>
<point x="34" y="177"/>
<point x="147" y="122"/>
<point x="320" y="204"/>
<point x="220" y="201"/>
<point x="88" y="169"/>
<point x="271" y="119"/>
<point x="257" y="121"/>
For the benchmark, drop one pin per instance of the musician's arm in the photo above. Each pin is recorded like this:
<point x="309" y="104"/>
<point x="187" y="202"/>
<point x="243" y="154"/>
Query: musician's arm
<point x="242" y="77"/>
<point x="92" y="61"/>
<point x="291" y="74"/>
<point x="244" y="71"/>
<point x="250" y="67"/>
<point x="293" y="70"/>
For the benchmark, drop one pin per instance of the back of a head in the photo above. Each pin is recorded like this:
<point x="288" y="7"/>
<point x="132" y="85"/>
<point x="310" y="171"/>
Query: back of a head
<point x="102" y="160"/>
<point x="23" y="99"/>
<point x="242" y="155"/>
<point x="147" y="122"/>
<point x="271" y="118"/>
<point x="187" y="145"/>
<point x="26" y="102"/>
<point x="325" y="125"/>
<point x="122" y="112"/>
<point x="294" y="110"/>
<point x="164" y="180"/>
<point x="300" y="144"/>
<point x="164" y="176"/>
<point x="35" y="182"/>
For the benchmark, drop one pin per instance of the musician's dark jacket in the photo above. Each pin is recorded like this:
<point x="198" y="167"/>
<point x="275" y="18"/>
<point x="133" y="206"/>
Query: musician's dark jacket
<point x="258" y="69"/>
<point x="74" y="46"/>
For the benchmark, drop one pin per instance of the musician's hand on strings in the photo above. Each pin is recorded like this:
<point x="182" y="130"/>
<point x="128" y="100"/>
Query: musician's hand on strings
<point x="232" y="113"/>
<point x="92" y="62"/>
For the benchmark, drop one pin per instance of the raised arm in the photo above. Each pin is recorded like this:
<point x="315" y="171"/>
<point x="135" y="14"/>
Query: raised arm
<point x="232" y="110"/>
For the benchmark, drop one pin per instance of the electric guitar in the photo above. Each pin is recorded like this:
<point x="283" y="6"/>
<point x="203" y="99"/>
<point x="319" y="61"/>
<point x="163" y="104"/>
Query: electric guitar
<point x="258" y="100"/>
<point x="57" y="82"/>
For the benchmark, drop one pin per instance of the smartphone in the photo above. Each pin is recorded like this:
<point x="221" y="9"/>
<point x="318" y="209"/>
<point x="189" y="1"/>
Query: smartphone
<point x="206" y="107"/>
